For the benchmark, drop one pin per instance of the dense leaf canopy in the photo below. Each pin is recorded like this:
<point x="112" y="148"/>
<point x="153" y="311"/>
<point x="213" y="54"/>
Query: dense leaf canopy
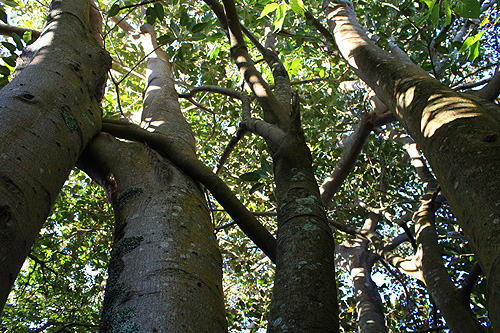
<point x="60" y="287"/>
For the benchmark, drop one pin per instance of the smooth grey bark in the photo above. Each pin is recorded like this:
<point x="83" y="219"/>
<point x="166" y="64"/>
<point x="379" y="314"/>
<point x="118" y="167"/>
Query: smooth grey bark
<point x="458" y="133"/>
<point x="165" y="272"/>
<point x="48" y="113"/>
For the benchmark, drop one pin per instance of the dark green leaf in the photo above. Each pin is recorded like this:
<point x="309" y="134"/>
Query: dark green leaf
<point x="3" y="81"/>
<point x="11" y="3"/>
<point x="198" y="36"/>
<point x="150" y="15"/>
<point x="9" y="61"/>
<point x="256" y="187"/>
<point x="159" y="11"/>
<point x="250" y="176"/>
<point x="175" y="28"/>
<point x="4" y="70"/>
<point x="115" y="9"/>
<point x="468" y="8"/>
<point x="184" y="19"/>
<point x="166" y="39"/>
<point x="11" y="47"/>
<point x="3" y="15"/>
<point x="198" y="27"/>
<point x="18" y="41"/>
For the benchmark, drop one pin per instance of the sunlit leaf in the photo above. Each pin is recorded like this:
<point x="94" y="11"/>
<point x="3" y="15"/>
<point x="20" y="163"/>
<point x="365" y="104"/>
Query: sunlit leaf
<point x="271" y="7"/>
<point x="298" y="7"/>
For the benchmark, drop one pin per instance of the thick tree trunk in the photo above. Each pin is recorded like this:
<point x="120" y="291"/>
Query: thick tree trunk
<point x="165" y="269"/>
<point x="48" y="114"/>
<point x="165" y="273"/>
<point x="458" y="133"/>
<point x="304" y="296"/>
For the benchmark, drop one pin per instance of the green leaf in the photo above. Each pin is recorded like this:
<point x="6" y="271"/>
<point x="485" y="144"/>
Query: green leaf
<point x="250" y="176"/>
<point x="266" y="166"/>
<point x="298" y="7"/>
<point x="271" y="7"/>
<point x="471" y="40"/>
<point x="159" y="11"/>
<point x="11" y="3"/>
<point x="430" y="3"/>
<point x="9" y="61"/>
<point x="468" y="8"/>
<point x="17" y="40"/>
<point x="198" y="27"/>
<point x="150" y="15"/>
<point x="28" y="37"/>
<point x="198" y="36"/>
<point x="3" y="15"/>
<point x="115" y="9"/>
<point x="175" y="29"/>
<point x="280" y="16"/>
<point x="435" y="16"/>
<point x="3" y="81"/>
<point x="447" y="13"/>
<point x="184" y="19"/>
<point x="11" y="47"/>
<point x="473" y="51"/>
<point x="256" y="187"/>
<point x="166" y="39"/>
<point x="4" y="70"/>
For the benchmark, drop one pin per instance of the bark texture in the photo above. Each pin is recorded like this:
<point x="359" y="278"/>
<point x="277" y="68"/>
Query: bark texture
<point x="458" y="133"/>
<point x="48" y="113"/>
<point x="165" y="271"/>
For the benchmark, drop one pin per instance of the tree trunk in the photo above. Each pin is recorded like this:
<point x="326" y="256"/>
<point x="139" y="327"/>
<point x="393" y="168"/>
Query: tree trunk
<point x="165" y="266"/>
<point x="458" y="133"/>
<point x="165" y="272"/>
<point x="48" y="113"/>
<point x="304" y="295"/>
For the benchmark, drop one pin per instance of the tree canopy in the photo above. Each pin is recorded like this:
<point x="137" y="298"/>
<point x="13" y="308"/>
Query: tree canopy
<point x="403" y="259"/>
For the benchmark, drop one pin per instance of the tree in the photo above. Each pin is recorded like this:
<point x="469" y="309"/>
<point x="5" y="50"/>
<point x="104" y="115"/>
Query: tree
<point x="164" y="271"/>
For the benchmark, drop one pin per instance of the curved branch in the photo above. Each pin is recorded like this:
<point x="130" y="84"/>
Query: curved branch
<point x="188" y="162"/>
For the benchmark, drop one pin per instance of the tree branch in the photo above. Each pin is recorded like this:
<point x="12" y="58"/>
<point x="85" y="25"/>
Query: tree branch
<point x="187" y="161"/>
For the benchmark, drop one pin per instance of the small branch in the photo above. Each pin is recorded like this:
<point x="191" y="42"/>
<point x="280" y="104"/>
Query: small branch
<point x="348" y="160"/>
<point x="322" y="30"/>
<point x="470" y="281"/>
<point x="273" y="110"/>
<point x="240" y="133"/>
<point x="212" y="89"/>
<point x="8" y="30"/>
<point x="492" y="89"/>
<point x="117" y="88"/>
